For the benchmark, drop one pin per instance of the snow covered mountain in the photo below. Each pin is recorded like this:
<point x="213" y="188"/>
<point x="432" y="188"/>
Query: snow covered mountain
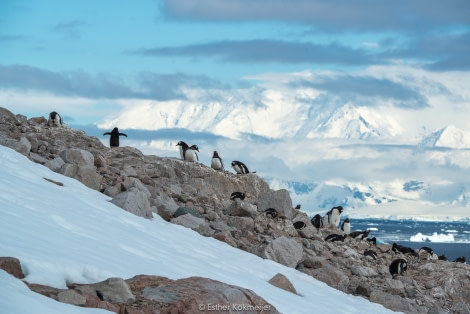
<point x="231" y="118"/>
<point x="449" y="136"/>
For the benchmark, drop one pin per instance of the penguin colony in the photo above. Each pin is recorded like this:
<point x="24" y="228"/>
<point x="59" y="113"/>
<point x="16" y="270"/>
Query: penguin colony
<point x="332" y="218"/>
<point x="397" y="267"/>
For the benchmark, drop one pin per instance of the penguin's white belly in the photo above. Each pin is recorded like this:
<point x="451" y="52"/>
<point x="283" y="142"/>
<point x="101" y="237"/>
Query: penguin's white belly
<point x="190" y="155"/>
<point x="216" y="164"/>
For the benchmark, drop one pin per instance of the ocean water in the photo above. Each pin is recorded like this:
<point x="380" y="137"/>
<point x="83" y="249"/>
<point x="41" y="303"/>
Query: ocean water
<point x="449" y="238"/>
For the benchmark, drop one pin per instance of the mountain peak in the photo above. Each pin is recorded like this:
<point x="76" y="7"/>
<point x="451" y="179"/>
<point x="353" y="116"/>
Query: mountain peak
<point x="449" y="136"/>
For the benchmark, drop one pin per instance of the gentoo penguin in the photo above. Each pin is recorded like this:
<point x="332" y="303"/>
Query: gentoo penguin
<point x="460" y="260"/>
<point x="442" y="257"/>
<point x="190" y="153"/>
<point x="326" y="219"/>
<point x="271" y="212"/>
<point x="240" y="167"/>
<point x="298" y="206"/>
<point x="55" y="119"/>
<point x="398" y="267"/>
<point x="183" y="147"/>
<point x="359" y="235"/>
<point x="370" y="254"/>
<point x="335" y="238"/>
<point x="239" y="195"/>
<point x="372" y="240"/>
<point x="402" y="249"/>
<point x="317" y="221"/>
<point x="426" y="253"/>
<point x="217" y="162"/>
<point x="334" y="217"/>
<point x="299" y="225"/>
<point x="114" y="139"/>
<point x="346" y="226"/>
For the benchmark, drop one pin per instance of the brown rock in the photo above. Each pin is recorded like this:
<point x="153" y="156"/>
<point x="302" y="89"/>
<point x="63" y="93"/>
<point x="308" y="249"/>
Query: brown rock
<point x="12" y="266"/>
<point x="281" y="281"/>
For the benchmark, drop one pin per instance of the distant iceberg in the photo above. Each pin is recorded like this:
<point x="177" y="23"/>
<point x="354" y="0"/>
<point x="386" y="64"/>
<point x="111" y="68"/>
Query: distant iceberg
<point x="435" y="237"/>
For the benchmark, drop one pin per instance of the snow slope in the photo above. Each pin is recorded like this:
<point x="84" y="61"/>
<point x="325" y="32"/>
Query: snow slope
<point x="70" y="233"/>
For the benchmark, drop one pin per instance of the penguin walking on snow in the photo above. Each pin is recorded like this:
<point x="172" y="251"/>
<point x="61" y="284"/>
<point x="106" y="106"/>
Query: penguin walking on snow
<point x="114" y="139"/>
<point x="55" y="120"/>
<point x="217" y="162"/>
<point x="240" y="167"/>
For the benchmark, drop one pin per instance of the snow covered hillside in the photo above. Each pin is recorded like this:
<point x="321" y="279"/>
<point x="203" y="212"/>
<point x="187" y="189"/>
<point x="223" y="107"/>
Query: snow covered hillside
<point x="69" y="233"/>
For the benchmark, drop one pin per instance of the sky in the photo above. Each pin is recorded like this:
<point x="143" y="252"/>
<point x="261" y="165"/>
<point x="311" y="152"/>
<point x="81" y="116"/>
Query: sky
<point x="332" y="92"/>
<point x="90" y="59"/>
<point x="70" y="233"/>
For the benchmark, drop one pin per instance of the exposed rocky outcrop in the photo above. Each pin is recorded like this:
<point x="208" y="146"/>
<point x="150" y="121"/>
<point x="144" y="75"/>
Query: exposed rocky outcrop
<point x="198" y="197"/>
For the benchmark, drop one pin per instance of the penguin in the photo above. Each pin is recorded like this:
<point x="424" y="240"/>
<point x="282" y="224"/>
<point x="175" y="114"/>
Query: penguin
<point x="398" y="267"/>
<point x="334" y="216"/>
<point x="217" y="162"/>
<point x="298" y="206"/>
<point x="190" y="153"/>
<point x="370" y="254"/>
<point x="240" y="167"/>
<point x="335" y="238"/>
<point x="239" y="195"/>
<point x="359" y="235"/>
<point x="402" y="249"/>
<point x="462" y="260"/>
<point x="183" y="147"/>
<point x="317" y="221"/>
<point x="114" y="139"/>
<point x="442" y="257"/>
<point x="271" y="212"/>
<point x="426" y="253"/>
<point x="326" y="219"/>
<point x="55" y="120"/>
<point x="372" y="240"/>
<point x="346" y="226"/>
<point x="299" y="225"/>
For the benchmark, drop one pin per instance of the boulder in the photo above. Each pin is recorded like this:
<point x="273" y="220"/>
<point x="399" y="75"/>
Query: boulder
<point x="113" y="290"/>
<point x="12" y="266"/>
<point x="71" y="297"/>
<point x="390" y="301"/>
<point x="279" y="200"/>
<point x="134" y="201"/>
<point x="284" y="250"/>
<point x="282" y="282"/>
<point x="79" y="157"/>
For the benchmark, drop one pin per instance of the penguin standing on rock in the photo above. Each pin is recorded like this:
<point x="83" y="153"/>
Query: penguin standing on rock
<point x="240" y="167"/>
<point x="183" y="147"/>
<point x="55" y="120"/>
<point x="398" y="267"/>
<point x="359" y="235"/>
<point x="346" y="226"/>
<point x="217" y="162"/>
<point x="190" y="154"/>
<point x="114" y="139"/>
<point x="317" y="221"/>
<point x="370" y="254"/>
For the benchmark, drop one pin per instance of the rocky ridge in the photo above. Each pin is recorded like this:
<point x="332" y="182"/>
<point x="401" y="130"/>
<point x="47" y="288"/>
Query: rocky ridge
<point x="198" y="197"/>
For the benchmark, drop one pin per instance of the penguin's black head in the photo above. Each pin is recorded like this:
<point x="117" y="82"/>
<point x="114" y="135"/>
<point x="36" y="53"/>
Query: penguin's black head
<point x="194" y="147"/>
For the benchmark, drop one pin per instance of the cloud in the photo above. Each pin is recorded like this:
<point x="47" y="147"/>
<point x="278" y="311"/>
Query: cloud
<point x="71" y="29"/>
<point x="267" y="51"/>
<point x="79" y="83"/>
<point x="442" y="52"/>
<point x="368" y="89"/>
<point x="411" y="16"/>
